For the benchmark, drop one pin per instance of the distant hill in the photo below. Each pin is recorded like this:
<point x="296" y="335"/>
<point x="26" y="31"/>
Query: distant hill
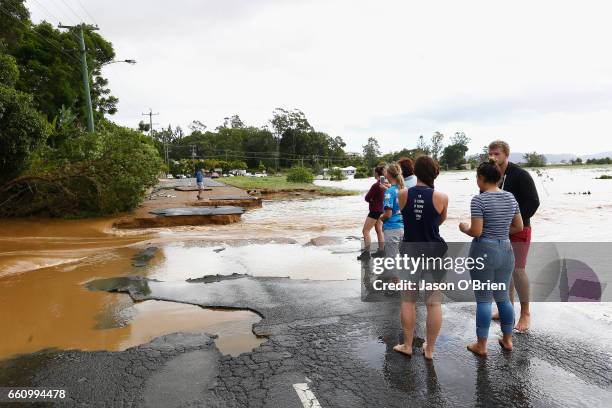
<point x="553" y="158"/>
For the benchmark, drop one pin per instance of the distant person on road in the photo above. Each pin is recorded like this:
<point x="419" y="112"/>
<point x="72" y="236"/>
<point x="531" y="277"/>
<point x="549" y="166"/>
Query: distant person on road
<point x="423" y="211"/>
<point x="495" y="216"/>
<point x="375" y="198"/>
<point x="407" y="166"/>
<point x="520" y="183"/>
<point x="200" y="182"/>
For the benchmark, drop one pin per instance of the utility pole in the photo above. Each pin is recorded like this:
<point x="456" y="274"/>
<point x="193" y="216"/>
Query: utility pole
<point x="150" y="115"/>
<point x="165" y="137"/>
<point x="85" y="72"/>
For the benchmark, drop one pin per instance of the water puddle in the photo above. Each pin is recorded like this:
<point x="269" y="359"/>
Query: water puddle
<point x="50" y="307"/>
<point x="153" y="318"/>
<point x="184" y="261"/>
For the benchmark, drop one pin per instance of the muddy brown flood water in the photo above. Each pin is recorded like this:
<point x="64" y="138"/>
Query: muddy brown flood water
<point x="43" y="303"/>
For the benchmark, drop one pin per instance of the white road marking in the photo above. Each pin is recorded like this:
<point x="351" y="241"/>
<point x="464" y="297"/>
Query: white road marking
<point x="306" y="396"/>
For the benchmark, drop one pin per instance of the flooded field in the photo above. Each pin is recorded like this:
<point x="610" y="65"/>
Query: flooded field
<point x="44" y="264"/>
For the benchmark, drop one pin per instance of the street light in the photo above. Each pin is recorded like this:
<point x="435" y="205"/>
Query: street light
<point x="129" y="61"/>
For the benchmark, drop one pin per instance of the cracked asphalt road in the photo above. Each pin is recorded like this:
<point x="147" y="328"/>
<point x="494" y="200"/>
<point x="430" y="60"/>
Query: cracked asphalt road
<point x="321" y="333"/>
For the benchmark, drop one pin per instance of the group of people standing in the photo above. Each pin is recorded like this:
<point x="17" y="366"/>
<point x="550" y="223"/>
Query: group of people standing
<point x="405" y="207"/>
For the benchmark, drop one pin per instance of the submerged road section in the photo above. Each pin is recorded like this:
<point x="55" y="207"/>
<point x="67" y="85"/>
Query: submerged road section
<point x="325" y="347"/>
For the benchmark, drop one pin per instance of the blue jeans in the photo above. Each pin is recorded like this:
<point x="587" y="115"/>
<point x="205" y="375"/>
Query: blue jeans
<point x="498" y="268"/>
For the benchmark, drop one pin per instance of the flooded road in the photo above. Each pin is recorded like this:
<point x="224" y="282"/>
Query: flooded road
<point x="44" y="264"/>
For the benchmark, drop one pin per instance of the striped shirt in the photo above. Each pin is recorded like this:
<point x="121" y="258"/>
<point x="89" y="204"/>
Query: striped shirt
<point x="497" y="209"/>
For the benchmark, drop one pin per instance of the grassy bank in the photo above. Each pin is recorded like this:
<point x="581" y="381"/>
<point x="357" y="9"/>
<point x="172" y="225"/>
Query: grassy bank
<point x="280" y="184"/>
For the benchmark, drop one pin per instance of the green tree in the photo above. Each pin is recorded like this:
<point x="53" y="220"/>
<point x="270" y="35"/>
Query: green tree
<point x="423" y="146"/>
<point x="91" y="174"/>
<point x="238" y="165"/>
<point x="453" y="155"/>
<point x="362" y="172"/>
<point x="9" y="73"/>
<point x="395" y="156"/>
<point x="336" y="175"/>
<point x="534" y="159"/>
<point x="48" y="61"/>
<point x="22" y="130"/>
<point x="578" y="161"/>
<point x="197" y="126"/>
<point x="143" y="127"/>
<point x="371" y="152"/>
<point x="300" y="174"/>
<point x="437" y="144"/>
<point x="14" y="20"/>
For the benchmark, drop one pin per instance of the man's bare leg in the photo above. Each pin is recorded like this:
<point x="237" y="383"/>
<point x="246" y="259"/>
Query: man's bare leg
<point x="524" y="321"/>
<point x="521" y="281"/>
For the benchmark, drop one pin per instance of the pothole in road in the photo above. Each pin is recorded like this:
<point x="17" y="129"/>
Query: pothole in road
<point x="140" y="322"/>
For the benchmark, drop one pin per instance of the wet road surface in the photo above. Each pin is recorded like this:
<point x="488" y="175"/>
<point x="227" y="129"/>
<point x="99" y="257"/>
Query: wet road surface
<point x="321" y="334"/>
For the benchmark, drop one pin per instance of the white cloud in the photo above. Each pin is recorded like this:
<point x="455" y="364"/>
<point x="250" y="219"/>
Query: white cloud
<point x="536" y="73"/>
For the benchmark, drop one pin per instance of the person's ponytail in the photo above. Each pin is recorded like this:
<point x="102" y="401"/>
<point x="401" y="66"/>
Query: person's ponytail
<point x="396" y="172"/>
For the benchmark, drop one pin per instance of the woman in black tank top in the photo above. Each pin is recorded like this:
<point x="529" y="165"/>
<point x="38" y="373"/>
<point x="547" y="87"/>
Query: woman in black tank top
<point x="423" y="210"/>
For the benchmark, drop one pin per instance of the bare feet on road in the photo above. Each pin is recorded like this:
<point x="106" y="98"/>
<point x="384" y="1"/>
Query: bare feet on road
<point x="523" y="323"/>
<point x="477" y="349"/>
<point x="404" y="349"/>
<point x="505" y="344"/>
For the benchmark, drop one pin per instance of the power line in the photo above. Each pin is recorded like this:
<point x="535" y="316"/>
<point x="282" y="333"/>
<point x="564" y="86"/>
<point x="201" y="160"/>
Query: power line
<point x="79" y="18"/>
<point x="87" y="12"/>
<point x="65" y="16"/>
<point x="46" y="10"/>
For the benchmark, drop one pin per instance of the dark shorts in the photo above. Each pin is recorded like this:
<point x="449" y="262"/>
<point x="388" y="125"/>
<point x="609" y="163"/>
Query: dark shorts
<point x="520" y="244"/>
<point x="375" y="214"/>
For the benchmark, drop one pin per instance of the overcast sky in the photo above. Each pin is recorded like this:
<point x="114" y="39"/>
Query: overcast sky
<point x="535" y="73"/>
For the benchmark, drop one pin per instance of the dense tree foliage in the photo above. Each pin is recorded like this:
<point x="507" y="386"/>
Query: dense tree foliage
<point x="371" y="152"/>
<point x="292" y="141"/>
<point x="22" y="129"/>
<point x="300" y="174"/>
<point x="453" y="155"/>
<point x="534" y="159"/>
<point x="89" y="174"/>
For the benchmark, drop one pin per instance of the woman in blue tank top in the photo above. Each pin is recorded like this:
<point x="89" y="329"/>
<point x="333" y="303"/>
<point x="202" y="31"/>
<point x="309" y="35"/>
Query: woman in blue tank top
<point x="423" y="210"/>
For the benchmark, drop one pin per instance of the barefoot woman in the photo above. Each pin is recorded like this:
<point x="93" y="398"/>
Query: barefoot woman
<point x="495" y="215"/>
<point x="423" y="210"/>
